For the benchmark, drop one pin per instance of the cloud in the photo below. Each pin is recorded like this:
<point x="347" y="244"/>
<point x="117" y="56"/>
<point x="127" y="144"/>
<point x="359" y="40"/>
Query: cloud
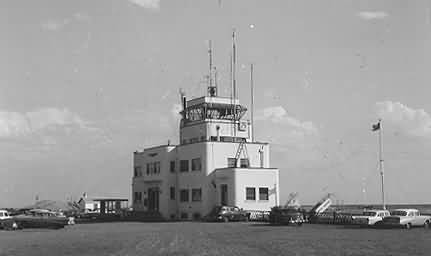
<point x="15" y="124"/>
<point x="55" y="25"/>
<point x="415" y="122"/>
<point x="372" y="15"/>
<point x="279" y="116"/>
<point x="149" y="4"/>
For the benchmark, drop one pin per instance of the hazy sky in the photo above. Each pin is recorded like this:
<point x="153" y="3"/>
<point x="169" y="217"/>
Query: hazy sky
<point x="83" y="84"/>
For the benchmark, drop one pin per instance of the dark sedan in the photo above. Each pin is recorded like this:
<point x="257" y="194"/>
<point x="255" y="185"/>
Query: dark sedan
<point x="289" y="216"/>
<point x="227" y="213"/>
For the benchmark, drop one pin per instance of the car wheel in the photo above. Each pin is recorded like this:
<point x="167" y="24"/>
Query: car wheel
<point x="427" y="224"/>
<point x="408" y="226"/>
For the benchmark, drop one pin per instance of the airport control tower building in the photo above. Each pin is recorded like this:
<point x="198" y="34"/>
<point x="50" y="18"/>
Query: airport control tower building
<point x="217" y="162"/>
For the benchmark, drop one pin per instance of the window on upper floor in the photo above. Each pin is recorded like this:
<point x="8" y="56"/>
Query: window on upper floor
<point x="137" y="171"/>
<point x="196" y="164"/>
<point x="244" y="163"/>
<point x="172" y="166"/>
<point x="184" y="195"/>
<point x="250" y="193"/>
<point x="157" y="167"/>
<point x="148" y="169"/>
<point x="263" y="194"/>
<point x="172" y="193"/>
<point x="196" y="194"/>
<point x="184" y="165"/>
<point x="231" y="162"/>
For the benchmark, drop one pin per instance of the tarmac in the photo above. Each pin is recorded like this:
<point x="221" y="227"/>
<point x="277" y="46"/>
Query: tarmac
<point x="198" y="238"/>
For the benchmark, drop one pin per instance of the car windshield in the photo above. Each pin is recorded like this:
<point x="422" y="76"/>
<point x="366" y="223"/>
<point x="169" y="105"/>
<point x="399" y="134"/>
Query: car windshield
<point x="371" y="214"/>
<point x="399" y="213"/>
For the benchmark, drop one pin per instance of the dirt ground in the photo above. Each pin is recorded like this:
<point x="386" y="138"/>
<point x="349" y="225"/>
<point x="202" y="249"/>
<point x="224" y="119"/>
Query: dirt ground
<point x="195" y="238"/>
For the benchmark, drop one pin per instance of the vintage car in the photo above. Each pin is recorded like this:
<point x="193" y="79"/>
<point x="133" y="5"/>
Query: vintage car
<point x="286" y="215"/>
<point x="406" y="218"/>
<point x="227" y="213"/>
<point x="40" y="218"/>
<point x="370" y="217"/>
<point x="6" y="221"/>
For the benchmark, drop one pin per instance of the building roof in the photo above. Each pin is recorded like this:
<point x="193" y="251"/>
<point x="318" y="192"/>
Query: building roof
<point x="53" y="205"/>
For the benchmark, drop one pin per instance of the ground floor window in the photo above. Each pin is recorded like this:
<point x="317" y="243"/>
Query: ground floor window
<point x="197" y="195"/>
<point x="250" y="193"/>
<point x="184" y="215"/>
<point x="263" y="194"/>
<point x="184" y="195"/>
<point x="137" y="197"/>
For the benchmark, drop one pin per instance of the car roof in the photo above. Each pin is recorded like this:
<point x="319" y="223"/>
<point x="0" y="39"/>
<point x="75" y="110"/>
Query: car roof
<point x="376" y="210"/>
<point x="405" y="209"/>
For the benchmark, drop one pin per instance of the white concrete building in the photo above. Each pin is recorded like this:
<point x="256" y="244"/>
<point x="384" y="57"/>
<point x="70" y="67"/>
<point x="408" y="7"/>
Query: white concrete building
<point x="216" y="163"/>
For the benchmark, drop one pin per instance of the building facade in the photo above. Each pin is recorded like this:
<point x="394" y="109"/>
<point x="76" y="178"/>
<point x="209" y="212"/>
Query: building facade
<point x="216" y="163"/>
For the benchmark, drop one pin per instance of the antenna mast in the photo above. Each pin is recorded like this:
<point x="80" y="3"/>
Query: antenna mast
<point x="252" y="102"/>
<point x="212" y="90"/>
<point x="234" y="80"/>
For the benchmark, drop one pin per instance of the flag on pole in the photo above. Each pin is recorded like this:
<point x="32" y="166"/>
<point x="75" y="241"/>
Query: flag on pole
<point x="376" y="127"/>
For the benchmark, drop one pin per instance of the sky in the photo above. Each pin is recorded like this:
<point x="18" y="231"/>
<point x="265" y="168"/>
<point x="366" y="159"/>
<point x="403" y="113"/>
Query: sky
<point x="84" y="84"/>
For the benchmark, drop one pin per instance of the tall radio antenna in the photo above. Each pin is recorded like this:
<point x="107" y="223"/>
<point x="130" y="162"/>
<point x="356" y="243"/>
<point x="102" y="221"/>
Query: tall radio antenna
<point x="252" y="101"/>
<point x="234" y="79"/>
<point x="212" y="90"/>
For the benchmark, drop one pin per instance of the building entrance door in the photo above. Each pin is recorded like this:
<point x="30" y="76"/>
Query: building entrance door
<point x="223" y="194"/>
<point x="153" y="199"/>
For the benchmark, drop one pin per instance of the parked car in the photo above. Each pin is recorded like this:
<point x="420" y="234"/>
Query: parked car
<point x="370" y="217"/>
<point x="40" y="218"/>
<point x="4" y="215"/>
<point x="406" y="218"/>
<point x="286" y="215"/>
<point x="227" y="213"/>
<point x="6" y="221"/>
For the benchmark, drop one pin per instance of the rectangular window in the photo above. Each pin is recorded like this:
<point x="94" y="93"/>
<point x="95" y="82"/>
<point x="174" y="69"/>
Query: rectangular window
<point x="137" y="198"/>
<point x="213" y="138"/>
<point x="184" y="195"/>
<point x="231" y="162"/>
<point x="184" y="216"/>
<point x="196" y="194"/>
<point x="226" y="139"/>
<point x="172" y="192"/>
<point x="196" y="164"/>
<point x="148" y="169"/>
<point x="172" y="167"/>
<point x="157" y="167"/>
<point x="244" y="163"/>
<point x="250" y="193"/>
<point x="263" y="194"/>
<point x="139" y="171"/>
<point x="184" y="165"/>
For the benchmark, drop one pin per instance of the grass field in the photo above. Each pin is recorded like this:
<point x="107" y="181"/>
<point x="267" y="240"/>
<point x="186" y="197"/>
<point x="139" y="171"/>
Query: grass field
<point x="195" y="238"/>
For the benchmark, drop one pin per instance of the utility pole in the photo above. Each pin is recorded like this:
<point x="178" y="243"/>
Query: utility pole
<point x="381" y="168"/>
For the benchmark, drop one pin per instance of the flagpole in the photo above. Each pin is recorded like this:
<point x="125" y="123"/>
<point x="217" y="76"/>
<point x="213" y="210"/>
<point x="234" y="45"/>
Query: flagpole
<point x="382" y="174"/>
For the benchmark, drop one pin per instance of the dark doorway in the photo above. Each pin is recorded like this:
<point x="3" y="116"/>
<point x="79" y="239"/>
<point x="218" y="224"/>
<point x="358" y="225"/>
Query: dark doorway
<point x="153" y="199"/>
<point x="223" y="194"/>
